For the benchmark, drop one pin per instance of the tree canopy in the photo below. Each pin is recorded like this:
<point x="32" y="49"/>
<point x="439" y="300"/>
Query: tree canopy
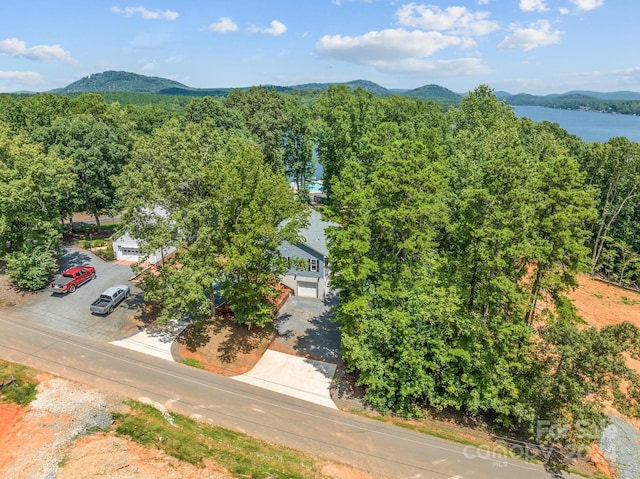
<point x="460" y="231"/>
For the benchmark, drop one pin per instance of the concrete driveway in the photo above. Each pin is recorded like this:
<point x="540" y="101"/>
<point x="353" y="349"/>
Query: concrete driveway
<point x="302" y="360"/>
<point x="70" y="312"/>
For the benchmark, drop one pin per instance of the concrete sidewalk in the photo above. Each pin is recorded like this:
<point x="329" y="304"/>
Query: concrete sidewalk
<point x="154" y="340"/>
<point x="295" y="376"/>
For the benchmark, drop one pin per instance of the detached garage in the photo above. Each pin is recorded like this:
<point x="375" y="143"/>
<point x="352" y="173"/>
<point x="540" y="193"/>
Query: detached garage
<point x="307" y="289"/>
<point x="126" y="248"/>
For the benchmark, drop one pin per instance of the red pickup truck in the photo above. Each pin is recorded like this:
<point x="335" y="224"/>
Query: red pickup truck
<point x="72" y="278"/>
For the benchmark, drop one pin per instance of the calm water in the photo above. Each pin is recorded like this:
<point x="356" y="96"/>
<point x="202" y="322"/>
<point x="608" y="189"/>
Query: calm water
<point x="588" y="125"/>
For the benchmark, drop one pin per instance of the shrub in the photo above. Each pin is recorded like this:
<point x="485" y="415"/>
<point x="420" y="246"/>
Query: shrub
<point x="31" y="267"/>
<point x="108" y="254"/>
<point x="99" y="243"/>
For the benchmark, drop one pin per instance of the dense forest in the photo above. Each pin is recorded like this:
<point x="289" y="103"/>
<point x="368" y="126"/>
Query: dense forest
<point x="461" y="229"/>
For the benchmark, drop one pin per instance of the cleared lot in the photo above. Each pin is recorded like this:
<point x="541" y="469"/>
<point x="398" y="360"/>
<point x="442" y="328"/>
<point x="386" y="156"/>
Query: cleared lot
<point x="70" y="312"/>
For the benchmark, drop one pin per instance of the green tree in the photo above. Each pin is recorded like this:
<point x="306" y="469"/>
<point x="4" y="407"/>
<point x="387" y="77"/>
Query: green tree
<point x="99" y="152"/>
<point x="264" y="113"/>
<point x="32" y="186"/>
<point x="39" y="111"/>
<point x="615" y="168"/>
<point x="214" y="109"/>
<point x="297" y="143"/>
<point x="580" y="370"/>
<point x="212" y="196"/>
<point x="30" y="267"/>
<point x="491" y="205"/>
<point x="344" y="117"/>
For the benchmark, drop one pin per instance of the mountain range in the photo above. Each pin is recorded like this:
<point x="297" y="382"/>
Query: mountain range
<point x="119" y="81"/>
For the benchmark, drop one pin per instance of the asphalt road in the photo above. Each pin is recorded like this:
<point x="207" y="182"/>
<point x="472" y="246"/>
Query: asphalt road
<point x="385" y="451"/>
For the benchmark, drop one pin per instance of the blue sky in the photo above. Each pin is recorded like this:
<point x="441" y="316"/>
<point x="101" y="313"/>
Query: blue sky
<point x="534" y="46"/>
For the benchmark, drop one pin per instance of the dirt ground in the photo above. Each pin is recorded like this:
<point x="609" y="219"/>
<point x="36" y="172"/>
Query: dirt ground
<point x="601" y="304"/>
<point x="51" y="437"/>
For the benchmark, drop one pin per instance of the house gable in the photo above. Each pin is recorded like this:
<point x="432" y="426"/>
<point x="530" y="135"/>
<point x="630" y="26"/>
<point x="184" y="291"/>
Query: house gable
<point x="312" y="280"/>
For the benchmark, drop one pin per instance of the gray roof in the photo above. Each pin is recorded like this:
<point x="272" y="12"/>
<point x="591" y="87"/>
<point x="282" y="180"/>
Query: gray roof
<point x="313" y="235"/>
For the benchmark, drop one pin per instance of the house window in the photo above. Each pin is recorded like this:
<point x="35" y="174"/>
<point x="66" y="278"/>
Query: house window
<point x="313" y="265"/>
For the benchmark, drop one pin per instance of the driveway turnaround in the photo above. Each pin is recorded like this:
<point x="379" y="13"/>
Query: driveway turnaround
<point x="70" y="312"/>
<point x="294" y="376"/>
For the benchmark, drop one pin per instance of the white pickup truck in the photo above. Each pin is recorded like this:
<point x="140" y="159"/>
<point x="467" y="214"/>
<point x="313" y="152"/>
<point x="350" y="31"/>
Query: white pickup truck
<point x="109" y="299"/>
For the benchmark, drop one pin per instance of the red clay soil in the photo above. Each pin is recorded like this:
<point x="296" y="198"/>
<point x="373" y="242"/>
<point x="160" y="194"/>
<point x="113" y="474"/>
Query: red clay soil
<point x="601" y="304"/>
<point x="224" y="347"/>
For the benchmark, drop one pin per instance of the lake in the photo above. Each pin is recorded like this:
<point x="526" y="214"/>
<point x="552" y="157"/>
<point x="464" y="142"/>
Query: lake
<point x="588" y="125"/>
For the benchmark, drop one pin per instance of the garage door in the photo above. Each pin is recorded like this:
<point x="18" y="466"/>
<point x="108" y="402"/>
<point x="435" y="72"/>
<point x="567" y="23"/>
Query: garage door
<point x="308" y="290"/>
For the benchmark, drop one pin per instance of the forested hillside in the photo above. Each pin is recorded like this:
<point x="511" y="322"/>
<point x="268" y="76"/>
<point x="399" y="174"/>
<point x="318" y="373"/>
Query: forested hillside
<point x="460" y="232"/>
<point x="119" y="81"/>
<point x="120" y="86"/>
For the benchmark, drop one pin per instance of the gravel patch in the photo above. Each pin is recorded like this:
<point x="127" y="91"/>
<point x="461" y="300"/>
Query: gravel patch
<point x="620" y="444"/>
<point x="65" y="411"/>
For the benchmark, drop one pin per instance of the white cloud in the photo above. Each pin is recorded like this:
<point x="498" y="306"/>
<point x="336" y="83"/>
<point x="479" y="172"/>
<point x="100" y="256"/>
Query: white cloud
<point x="45" y="53"/>
<point x="150" y="66"/>
<point x="632" y="73"/>
<point x="587" y="4"/>
<point x="533" y="6"/>
<point x="224" y="25"/>
<point x="277" y="28"/>
<point x="434" y="68"/>
<point x="453" y="19"/>
<point x="563" y="11"/>
<point x="385" y="45"/>
<point x="146" y="14"/>
<point x="29" y="78"/>
<point x="538" y="34"/>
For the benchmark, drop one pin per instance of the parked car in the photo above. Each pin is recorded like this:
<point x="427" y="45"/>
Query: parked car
<point x="109" y="299"/>
<point x="72" y="278"/>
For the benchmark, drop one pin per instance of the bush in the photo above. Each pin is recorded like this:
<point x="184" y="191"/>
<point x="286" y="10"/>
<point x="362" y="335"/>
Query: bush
<point x="31" y="267"/>
<point x="99" y="243"/>
<point x="108" y="254"/>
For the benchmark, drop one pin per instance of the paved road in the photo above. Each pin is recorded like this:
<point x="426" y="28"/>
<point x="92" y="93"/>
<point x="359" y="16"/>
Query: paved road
<point x="386" y="451"/>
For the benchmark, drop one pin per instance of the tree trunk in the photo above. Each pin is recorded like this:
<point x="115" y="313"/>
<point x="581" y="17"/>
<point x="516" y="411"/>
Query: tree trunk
<point x="604" y="229"/>
<point x="535" y="291"/>
<point x="98" y="225"/>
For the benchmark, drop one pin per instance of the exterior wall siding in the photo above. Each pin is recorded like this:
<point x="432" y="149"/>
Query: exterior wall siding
<point x="125" y="248"/>
<point x="294" y="275"/>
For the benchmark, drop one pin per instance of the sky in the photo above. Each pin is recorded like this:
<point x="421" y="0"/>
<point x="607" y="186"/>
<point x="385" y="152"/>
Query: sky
<point x="532" y="46"/>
